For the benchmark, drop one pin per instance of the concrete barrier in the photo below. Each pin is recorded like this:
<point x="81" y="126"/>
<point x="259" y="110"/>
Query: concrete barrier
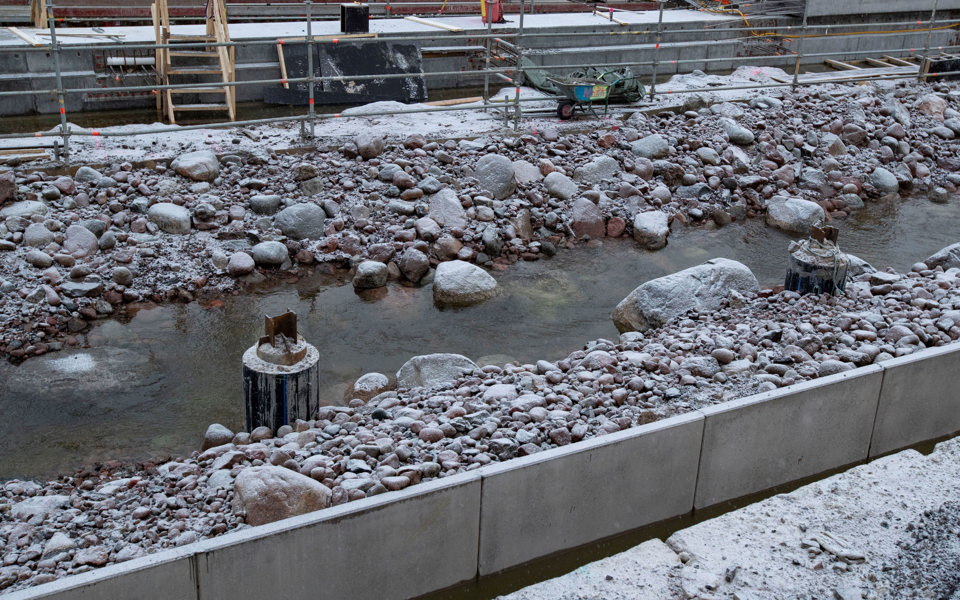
<point x="756" y="443"/>
<point x="574" y="495"/>
<point x="392" y="546"/>
<point x="160" y="576"/>
<point x="443" y="532"/>
<point x="919" y="400"/>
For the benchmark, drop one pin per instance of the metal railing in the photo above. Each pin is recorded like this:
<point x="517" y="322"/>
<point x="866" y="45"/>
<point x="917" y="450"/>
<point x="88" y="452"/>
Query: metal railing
<point x="502" y="55"/>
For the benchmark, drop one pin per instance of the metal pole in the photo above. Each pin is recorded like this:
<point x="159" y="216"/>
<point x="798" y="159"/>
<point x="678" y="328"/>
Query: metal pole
<point x="310" y="65"/>
<point x="803" y="35"/>
<point x="519" y="78"/>
<point x="520" y="32"/>
<point x="925" y="66"/>
<point x="486" y="76"/>
<point x="55" y="47"/>
<point x="656" y="52"/>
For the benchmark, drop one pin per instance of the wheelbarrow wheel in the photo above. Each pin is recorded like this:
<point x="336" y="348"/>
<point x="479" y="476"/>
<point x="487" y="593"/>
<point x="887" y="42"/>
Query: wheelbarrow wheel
<point x="565" y="109"/>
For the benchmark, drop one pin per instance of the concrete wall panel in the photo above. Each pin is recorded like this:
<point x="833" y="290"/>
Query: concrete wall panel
<point x="569" y="496"/>
<point x="919" y="400"/>
<point x="823" y="8"/>
<point x="762" y="441"/>
<point x="392" y="546"/>
<point x="160" y="576"/>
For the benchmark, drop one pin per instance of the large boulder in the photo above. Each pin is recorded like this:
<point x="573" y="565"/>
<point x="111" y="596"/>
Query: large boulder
<point x="80" y="242"/>
<point x="703" y="287"/>
<point x="370" y="274"/>
<point x="651" y="228"/>
<point x="932" y="105"/>
<point x="267" y="494"/>
<point x="737" y="133"/>
<point x="170" y="217"/>
<point x="947" y="258"/>
<point x="595" y="171"/>
<point x="198" y="166"/>
<point x="302" y="221"/>
<point x="37" y="235"/>
<point x="459" y="283"/>
<point x="496" y="175"/>
<point x="430" y="369"/>
<point x="885" y="181"/>
<point x="586" y="219"/>
<point x="270" y="254"/>
<point x="560" y="186"/>
<point x="446" y="210"/>
<point x="794" y="214"/>
<point x="24" y="208"/>
<point x="652" y="146"/>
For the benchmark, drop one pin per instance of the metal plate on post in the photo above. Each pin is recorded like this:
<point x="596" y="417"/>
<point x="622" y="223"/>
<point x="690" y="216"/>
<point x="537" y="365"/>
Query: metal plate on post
<point x="281" y="344"/>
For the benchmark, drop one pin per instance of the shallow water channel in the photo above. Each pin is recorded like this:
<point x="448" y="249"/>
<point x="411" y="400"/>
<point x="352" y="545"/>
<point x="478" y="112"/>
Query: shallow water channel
<point x="151" y="386"/>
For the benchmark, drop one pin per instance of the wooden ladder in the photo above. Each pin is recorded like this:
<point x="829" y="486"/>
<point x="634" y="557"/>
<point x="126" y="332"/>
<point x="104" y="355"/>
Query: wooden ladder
<point x="212" y="64"/>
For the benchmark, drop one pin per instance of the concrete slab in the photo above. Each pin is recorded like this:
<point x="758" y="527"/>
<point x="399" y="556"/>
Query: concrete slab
<point x="762" y="441"/>
<point x="827" y="8"/>
<point x="159" y="576"/>
<point x="393" y="546"/>
<point x="804" y="544"/>
<point x="570" y="496"/>
<point x="919" y="400"/>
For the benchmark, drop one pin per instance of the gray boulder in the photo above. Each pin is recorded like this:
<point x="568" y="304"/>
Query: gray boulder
<point x="651" y="229"/>
<point x="37" y="235"/>
<point x="446" y="210"/>
<point x="8" y="187"/>
<point x="87" y="175"/>
<point x="80" y="242"/>
<point x="595" y="171"/>
<point x="704" y="287"/>
<point x="524" y="172"/>
<point x="794" y="214"/>
<point x="431" y="369"/>
<point x="370" y="274"/>
<point x="459" y="283"/>
<point x="885" y="181"/>
<point x="652" y="146"/>
<point x="947" y="258"/>
<point x="738" y="134"/>
<point x="496" y="175"/>
<point x="265" y="204"/>
<point x="198" y="166"/>
<point x="270" y="254"/>
<point x="267" y="494"/>
<point x="240" y="264"/>
<point x="560" y="186"/>
<point x="170" y="217"/>
<point x="302" y="221"/>
<point x="24" y="208"/>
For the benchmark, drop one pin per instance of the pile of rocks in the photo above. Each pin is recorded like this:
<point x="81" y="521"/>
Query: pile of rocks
<point x="75" y="249"/>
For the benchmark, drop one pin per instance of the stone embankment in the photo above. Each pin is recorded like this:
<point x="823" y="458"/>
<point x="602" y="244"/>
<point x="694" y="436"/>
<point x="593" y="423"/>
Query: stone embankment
<point x="74" y="249"/>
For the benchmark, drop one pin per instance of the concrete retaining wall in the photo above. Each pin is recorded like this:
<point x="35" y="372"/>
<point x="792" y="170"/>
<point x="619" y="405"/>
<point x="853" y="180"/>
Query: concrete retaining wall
<point x="437" y="534"/>
<point x="825" y="8"/>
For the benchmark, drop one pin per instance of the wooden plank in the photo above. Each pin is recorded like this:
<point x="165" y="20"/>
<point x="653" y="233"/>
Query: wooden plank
<point x="25" y="37"/>
<point x="455" y="101"/>
<point x="432" y="23"/>
<point x="878" y="63"/>
<point x="898" y="61"/>
<point x="283" y="67"/>
<point x="608" y="15"/>
<point x="853" y="75"/>
<point x="836" y="64"/>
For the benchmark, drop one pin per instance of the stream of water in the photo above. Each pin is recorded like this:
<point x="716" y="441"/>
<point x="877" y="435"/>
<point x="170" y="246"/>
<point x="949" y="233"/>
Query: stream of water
<point x="150" y="386"/>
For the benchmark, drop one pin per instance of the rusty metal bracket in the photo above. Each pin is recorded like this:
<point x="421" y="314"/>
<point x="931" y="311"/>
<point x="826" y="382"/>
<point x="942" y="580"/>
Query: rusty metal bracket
<point x="286" y="347"/>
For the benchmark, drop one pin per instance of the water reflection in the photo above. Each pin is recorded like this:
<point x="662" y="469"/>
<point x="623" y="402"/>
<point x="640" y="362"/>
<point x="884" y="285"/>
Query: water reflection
<point x="152" y="385"/>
